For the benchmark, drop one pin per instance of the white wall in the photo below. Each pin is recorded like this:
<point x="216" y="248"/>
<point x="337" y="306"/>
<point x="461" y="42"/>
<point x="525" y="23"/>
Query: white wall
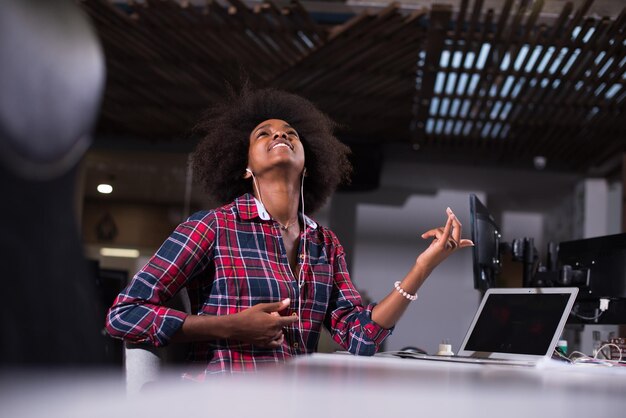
<point x="517" y="225"/>
<point x="387" y="243"/>
<point x="614" y="215"/>
<point x="595" y="203"/>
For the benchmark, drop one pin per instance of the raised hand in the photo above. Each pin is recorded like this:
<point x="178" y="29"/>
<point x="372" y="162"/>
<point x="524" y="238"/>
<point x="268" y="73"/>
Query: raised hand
<point x="445" y="241"/>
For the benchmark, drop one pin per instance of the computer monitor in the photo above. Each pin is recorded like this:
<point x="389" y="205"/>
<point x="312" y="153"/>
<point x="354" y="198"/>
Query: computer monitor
<point x="485" y="233"/>
<point x="596" y="265"/>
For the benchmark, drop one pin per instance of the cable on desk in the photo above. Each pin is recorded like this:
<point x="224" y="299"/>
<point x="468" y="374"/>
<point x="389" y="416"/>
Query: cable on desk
<point x="583" y="358"/>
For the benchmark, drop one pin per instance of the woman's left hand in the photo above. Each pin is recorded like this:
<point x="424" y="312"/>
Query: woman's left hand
<point x="446" y="240"/>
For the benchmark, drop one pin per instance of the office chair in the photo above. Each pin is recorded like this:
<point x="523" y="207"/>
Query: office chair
<point x="145" y="364"/>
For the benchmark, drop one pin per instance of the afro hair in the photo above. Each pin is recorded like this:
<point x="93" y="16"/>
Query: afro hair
<point x="221" y="156"/>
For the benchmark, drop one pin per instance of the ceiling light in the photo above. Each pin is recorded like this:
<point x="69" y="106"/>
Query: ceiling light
<point x="104" y="188"/>
<point x="540" y="162"/>
<point x="119" y="252"/>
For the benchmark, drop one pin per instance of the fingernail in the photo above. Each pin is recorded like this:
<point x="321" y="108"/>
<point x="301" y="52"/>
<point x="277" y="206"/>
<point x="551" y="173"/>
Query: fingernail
<point x="286" y="300"/>
<point x="448" y="209"/>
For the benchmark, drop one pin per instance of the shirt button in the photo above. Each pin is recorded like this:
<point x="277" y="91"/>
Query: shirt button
<point x="296" y="345"/>
<point x="294" y="314"/>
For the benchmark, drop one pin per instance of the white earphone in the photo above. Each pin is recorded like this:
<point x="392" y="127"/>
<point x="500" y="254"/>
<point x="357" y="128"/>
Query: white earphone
<point x="300" y="278"/>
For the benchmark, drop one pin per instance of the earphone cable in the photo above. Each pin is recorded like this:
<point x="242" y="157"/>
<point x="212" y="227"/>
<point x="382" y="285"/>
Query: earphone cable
<point x="301" y="272"/>
<point x="300" y="278"/>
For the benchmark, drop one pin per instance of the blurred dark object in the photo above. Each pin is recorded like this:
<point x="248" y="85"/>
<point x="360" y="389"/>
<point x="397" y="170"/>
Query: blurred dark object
<point x="50" y="89"/>
<point x="109" y="283"/>
<point x="596" y="265"/>
<point x="51" y="83"/>
<point x="604" y="261"/>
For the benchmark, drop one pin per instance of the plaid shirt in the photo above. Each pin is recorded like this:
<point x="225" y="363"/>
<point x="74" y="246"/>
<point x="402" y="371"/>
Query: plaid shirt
<point x="230" y="259"/>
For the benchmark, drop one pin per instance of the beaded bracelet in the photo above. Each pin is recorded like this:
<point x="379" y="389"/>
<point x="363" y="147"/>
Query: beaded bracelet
<point x="404" y="292"/>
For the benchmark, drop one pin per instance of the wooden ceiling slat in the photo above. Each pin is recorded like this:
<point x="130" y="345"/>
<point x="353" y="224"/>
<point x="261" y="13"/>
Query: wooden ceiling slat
<point x="491" y="90"/>
<point x="251" y="25"/>
<point x="401" y="46"/>
<point x="115" y="25"/>
<point x="459" y="124"/>
<point x="525" y="108"/>
<point x="458" y="39"/>
<point x="584" y="62"/>
<point x="402" y="51"/>
<point x="314" y="65"/>
<point x="272" y="28"/>
<point x="570" y="114"/>
<point x="559" y="31"/>
<point x="348" y="67"/>
<point x="174" y="43"/>
<point x="199" y="44"/>
<point x="466" y="48"/>
<point x="563" y="41"/>
<point x="127" y="34"/>
<point x="609" y="109"/>
<point x="303" y="21"/>
<point x="484" y="37"/>
<point x="230" y="35"/>
<point x="378" y="72"/>
<point x="499" y="45"/>
<point x="343" y="59"/>
<point x="592" y="79"/>
<point x="287" y="27"/>
<point x="596" y="126"/>
<point x="439" y="18"/>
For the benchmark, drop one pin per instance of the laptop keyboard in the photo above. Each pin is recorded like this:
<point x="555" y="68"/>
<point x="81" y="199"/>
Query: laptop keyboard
<point x="457" y="358"/>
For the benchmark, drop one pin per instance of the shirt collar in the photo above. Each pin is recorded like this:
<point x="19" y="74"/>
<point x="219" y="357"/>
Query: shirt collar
<point x="250" y="207"/>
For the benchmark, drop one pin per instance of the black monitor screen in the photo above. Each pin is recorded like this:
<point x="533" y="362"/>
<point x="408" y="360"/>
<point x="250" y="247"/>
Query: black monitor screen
<point x="486" y="236"/>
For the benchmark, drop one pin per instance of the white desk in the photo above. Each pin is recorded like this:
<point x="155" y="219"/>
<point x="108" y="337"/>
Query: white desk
<point x="429" y="388"/>
<point x="335" y="385"/>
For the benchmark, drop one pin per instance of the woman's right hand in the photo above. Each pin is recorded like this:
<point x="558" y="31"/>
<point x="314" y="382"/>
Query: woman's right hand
<point x="261" y="325"/>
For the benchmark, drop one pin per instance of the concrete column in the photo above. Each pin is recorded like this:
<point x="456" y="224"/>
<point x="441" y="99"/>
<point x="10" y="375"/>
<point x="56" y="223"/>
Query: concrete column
<point x="342" y="221"/>
<point x="595" y="208"/>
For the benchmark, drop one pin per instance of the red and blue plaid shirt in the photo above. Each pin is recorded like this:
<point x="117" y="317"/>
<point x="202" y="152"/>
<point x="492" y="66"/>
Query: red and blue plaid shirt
<point x="230" y="259"/>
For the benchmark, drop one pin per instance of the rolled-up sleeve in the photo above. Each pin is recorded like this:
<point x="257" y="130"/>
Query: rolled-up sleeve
<point x="349" y="322"/>
<point x="138" y="313"/>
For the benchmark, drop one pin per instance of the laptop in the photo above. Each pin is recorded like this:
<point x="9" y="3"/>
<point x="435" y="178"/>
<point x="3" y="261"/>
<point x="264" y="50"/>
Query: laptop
<point x="518" y="326"/>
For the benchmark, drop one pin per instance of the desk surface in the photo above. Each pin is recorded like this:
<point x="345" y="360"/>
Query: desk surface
<point x="335" y="385"/>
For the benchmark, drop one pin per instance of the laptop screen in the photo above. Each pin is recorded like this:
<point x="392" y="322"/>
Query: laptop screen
<point x="518" y="323"/>
<point x="521" y="324"/>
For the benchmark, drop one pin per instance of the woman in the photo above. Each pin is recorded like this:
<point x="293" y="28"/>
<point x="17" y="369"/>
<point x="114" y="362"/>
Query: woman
<point x="262" y="276"/>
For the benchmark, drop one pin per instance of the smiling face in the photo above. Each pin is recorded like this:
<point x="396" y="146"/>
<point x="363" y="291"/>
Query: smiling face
<point x="274" y="143"/>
